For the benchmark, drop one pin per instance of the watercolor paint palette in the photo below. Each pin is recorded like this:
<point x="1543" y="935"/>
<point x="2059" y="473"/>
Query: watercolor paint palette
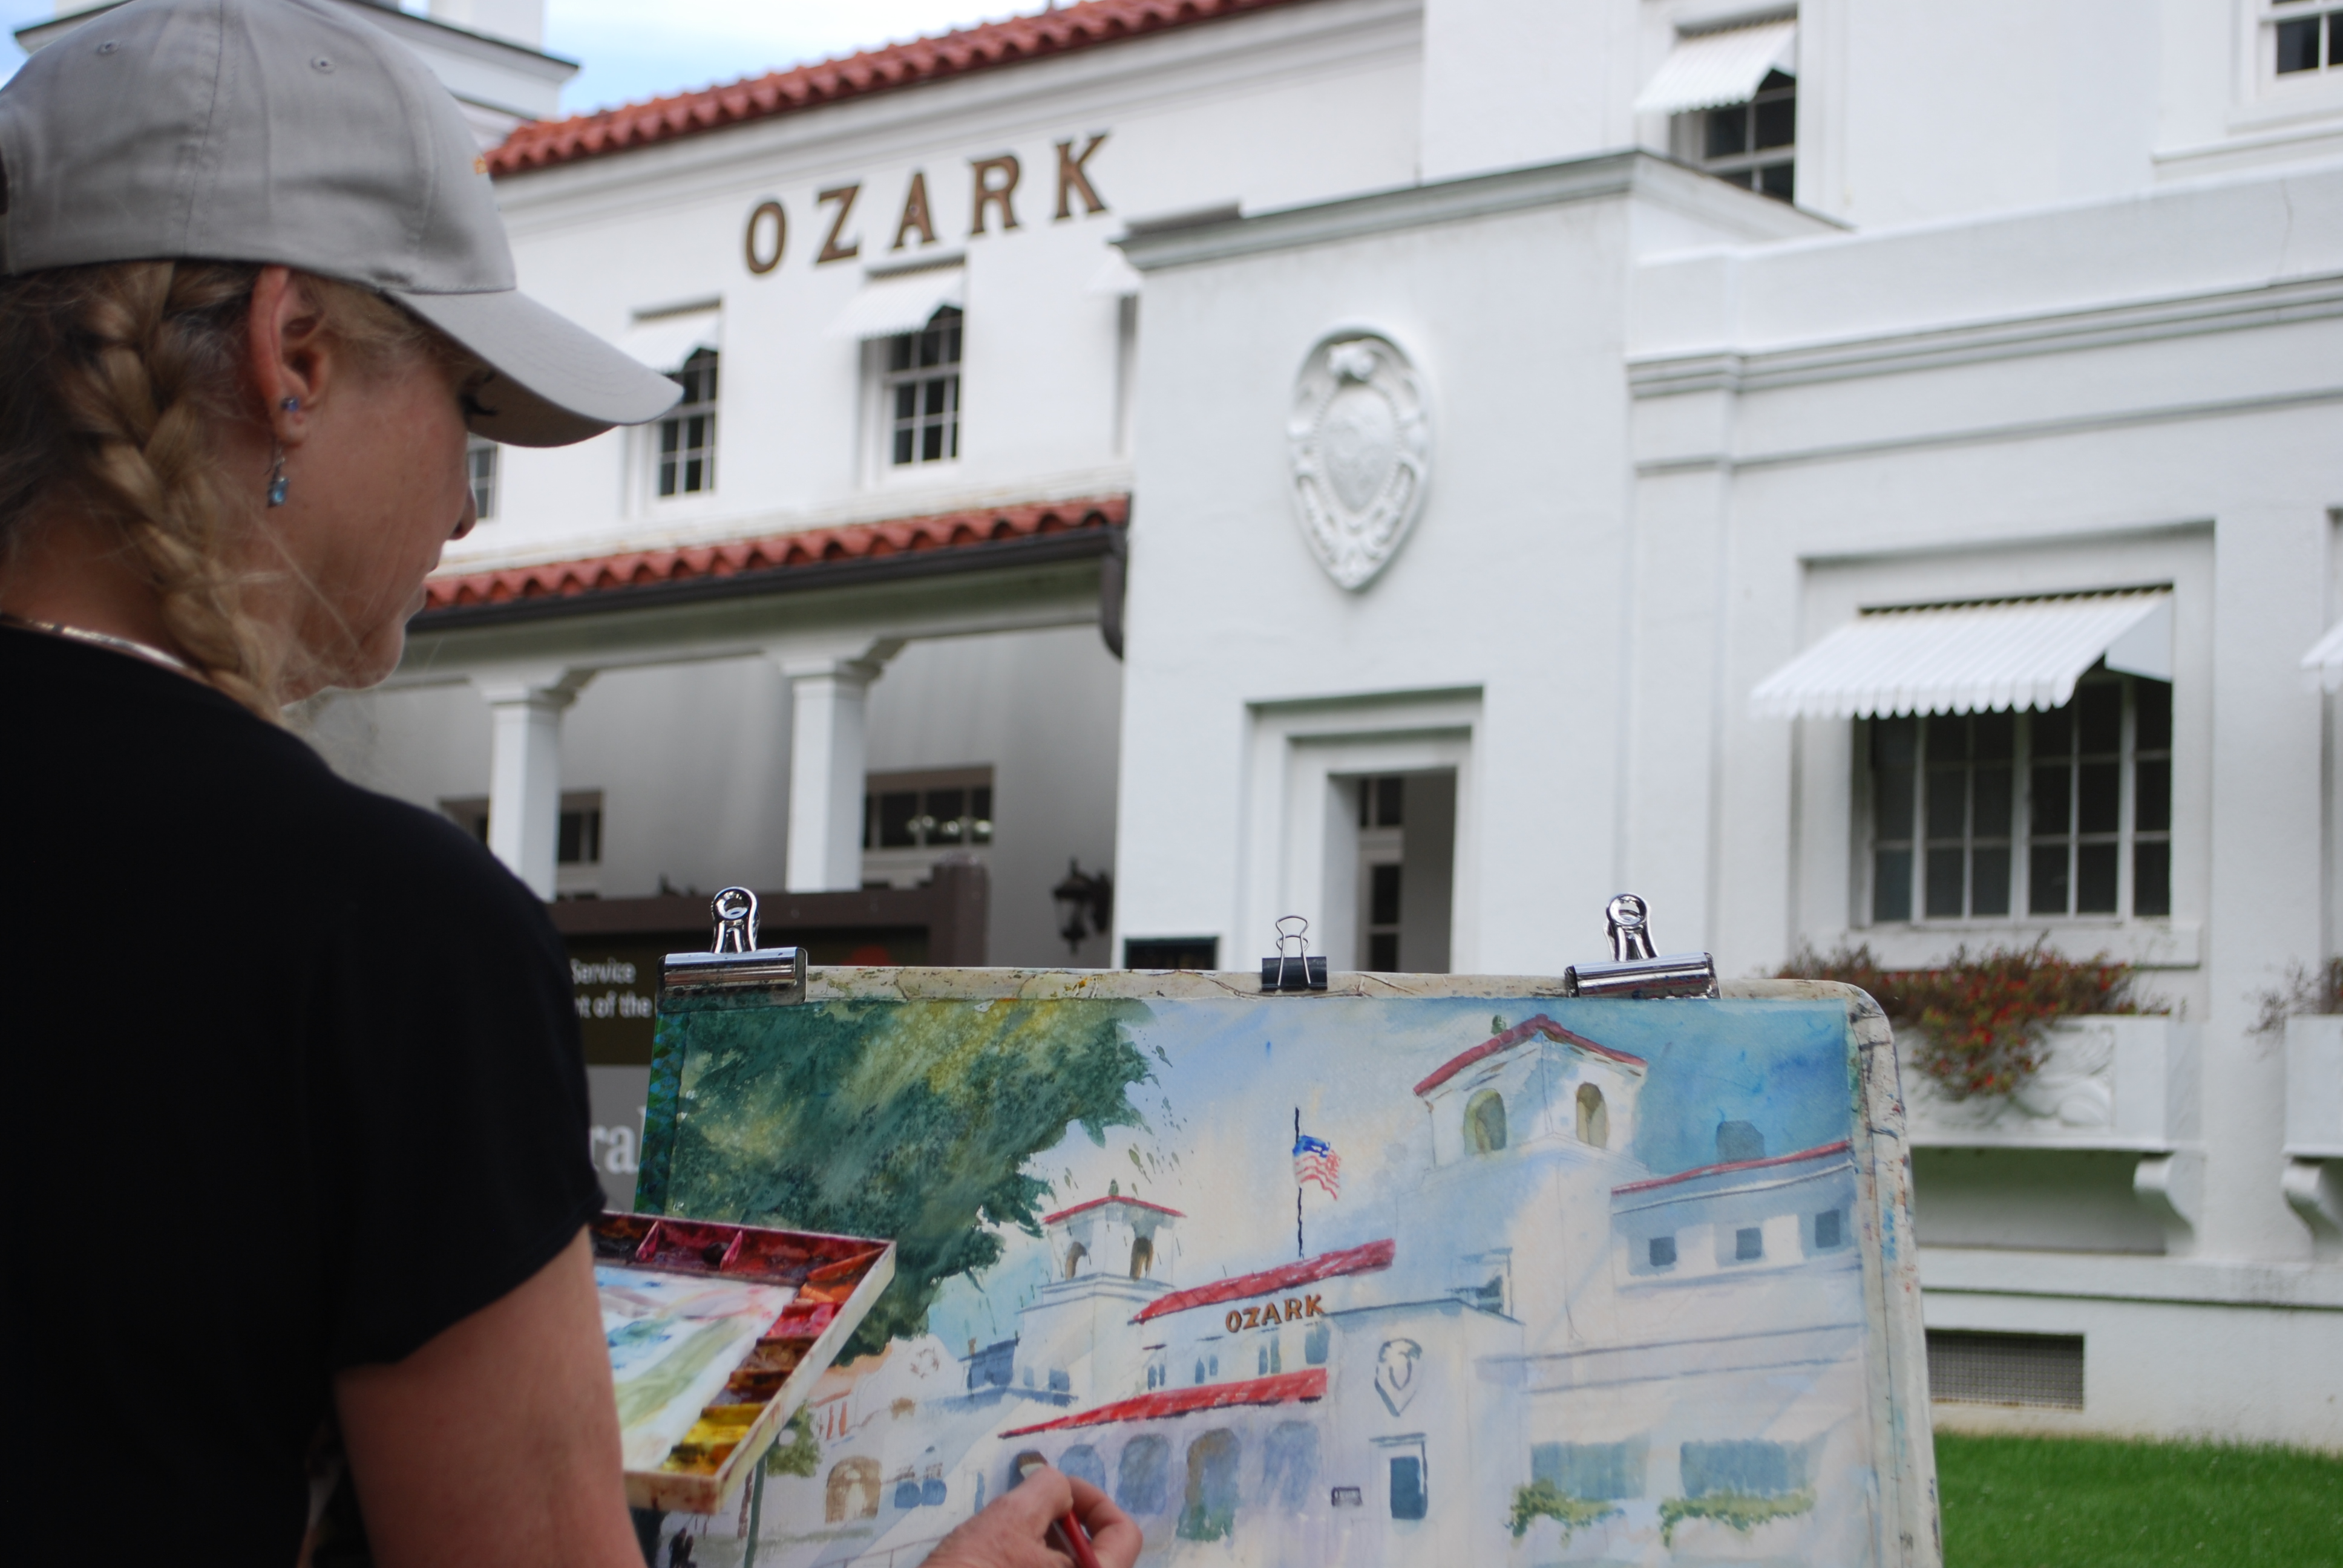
<point x="717" y="1333"/>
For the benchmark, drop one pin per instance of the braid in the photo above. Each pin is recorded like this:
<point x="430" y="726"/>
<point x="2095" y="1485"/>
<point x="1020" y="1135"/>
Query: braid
<point x="112" y="382"/>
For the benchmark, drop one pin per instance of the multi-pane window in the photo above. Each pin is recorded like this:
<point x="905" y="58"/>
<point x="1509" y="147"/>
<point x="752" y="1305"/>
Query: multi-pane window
<point x="923" y="391"/>
<point x="1754" y="144"/>
<point x="480" y="464"/>
<point x="2066" y="813"/>
<point x="2306" y="40"/>
<point x="687" y="435"/>
<point x="1381" y="805"/>
<point x="951" y="818"/>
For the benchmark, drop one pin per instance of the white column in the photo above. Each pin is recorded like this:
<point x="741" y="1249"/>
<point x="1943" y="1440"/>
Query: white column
<point x="525" y="776"/>
<point x="825" y="765"/>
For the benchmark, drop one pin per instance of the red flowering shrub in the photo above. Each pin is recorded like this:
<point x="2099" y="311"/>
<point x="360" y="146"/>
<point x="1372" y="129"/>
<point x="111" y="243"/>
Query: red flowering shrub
<point x="1983" y="1021"/>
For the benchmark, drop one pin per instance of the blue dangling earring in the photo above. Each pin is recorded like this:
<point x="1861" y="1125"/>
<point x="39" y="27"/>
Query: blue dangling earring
<point x="277" y="467"/>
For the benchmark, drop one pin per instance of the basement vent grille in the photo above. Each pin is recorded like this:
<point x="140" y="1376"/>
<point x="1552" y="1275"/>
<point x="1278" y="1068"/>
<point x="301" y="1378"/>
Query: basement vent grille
<point x="2042" y="1370"/>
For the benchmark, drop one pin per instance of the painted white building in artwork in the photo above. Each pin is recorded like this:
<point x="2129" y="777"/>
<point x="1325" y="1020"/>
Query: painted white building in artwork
<point x="1665" y="1343"/>
<point x="1850" y="474"/>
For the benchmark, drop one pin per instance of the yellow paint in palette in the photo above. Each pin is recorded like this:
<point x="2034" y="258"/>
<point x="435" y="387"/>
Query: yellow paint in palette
<point x="715" y="1331"/>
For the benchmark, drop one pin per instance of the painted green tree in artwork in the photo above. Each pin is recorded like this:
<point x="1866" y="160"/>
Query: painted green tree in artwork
<point x="910" y="1119"/>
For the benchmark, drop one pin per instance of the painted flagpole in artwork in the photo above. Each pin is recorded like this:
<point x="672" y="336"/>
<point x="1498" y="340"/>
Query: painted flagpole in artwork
<point x="1315" y="1161"/>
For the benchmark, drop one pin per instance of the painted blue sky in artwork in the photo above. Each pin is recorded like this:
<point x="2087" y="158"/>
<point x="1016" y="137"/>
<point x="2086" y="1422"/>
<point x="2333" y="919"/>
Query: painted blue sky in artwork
<point x="1229" y="1074"/>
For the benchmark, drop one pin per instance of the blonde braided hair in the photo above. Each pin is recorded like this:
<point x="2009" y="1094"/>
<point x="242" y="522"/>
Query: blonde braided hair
<point x="115" y="381"/>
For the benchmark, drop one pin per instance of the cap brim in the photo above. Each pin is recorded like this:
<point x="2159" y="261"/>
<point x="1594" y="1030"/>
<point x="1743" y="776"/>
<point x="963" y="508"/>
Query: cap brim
<point x="555" y="382"/>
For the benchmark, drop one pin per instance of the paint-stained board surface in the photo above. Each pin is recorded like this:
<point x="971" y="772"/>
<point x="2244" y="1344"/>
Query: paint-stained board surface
<point x="1426" y="1269"/>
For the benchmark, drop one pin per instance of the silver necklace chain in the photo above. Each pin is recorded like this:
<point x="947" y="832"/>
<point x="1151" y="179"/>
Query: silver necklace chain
<point x="103" y="640"/>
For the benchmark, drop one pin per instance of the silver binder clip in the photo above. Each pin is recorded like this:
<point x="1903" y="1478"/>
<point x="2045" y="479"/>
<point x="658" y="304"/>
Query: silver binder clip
<point x="1296" y="971"/>
<point x="734" y="963"/>
<point x="1636" y="970"/>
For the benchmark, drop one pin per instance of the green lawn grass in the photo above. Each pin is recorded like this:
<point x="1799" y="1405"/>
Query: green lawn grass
<point x="2090" y="1502"/>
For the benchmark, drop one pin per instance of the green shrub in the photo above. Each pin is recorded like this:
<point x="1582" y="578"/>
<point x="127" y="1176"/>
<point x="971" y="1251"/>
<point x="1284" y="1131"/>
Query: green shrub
<point x="1544" y="1500"/>
<point x="1738" y="1509"/>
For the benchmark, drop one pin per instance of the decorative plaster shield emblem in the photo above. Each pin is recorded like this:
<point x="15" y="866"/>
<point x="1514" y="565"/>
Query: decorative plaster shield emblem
<point x="1396" y="1377"/>
<point x="1361" y="442"/>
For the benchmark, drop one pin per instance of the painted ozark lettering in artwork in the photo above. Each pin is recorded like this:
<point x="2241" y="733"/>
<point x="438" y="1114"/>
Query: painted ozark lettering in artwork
<point x="1270" y="1316"/>
<point x="1588" y="1284"/>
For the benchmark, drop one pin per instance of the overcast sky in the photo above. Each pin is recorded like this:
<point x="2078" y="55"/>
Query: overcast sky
<point x="636" y="49"/>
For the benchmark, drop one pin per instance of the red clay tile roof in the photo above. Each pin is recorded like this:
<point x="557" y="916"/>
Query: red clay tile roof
<point x="1364" y="1259"/>
<point x="544" y="142"/>
<point x="812" y="547"/>
<point x="1084" y="1208"/>
<point x="1283" y="1389"/>
<point x="1512" y="1037"/>
<point x="1840" y="1147"/>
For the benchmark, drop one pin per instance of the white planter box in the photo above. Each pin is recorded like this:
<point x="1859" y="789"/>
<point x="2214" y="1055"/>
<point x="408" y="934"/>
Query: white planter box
<point x="2314" y="1088"/>
<point x="2110" y="1081"/>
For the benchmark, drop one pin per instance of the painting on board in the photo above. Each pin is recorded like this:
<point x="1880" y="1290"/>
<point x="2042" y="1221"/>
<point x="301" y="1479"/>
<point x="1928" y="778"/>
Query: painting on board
<point x="1430" y="1279"/>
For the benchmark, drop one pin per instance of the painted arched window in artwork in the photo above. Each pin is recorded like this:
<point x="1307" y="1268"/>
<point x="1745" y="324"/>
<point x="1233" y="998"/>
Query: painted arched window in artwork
<point x="1594" y="1117"/>
<point x="1082" y="1462"/>
<point x="1209" y="1511"/>
<point x="1485" y="1122"/>
<point x="852" y="1491"/>
<point x="1074" y="1256"/>
<point x="1142" y="1258"/>
<point x="1290" y="1465"/>
<point x="1142" y="1475"/>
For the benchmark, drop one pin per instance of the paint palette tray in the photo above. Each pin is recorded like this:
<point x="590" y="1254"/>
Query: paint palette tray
<point x="716" y="1335"/>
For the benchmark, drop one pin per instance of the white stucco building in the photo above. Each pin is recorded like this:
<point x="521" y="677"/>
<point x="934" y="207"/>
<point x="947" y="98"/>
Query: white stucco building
<point x="1366" y="459"/>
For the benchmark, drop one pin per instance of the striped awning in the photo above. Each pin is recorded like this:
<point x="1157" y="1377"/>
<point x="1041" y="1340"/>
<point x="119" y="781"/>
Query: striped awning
<point x="1710" y="69"/>
<point x="1970" y="658"/>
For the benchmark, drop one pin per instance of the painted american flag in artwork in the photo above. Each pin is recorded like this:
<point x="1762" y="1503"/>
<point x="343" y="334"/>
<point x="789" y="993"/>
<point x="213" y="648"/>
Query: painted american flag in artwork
<point x="1315" y="1161"/>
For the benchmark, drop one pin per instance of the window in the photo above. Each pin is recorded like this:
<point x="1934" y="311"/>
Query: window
<point x="1142" y="1257"/>
<point x="1410" y="1492"/>
<point x="1142" y="1476"/>
<point x="1272" y="1357"/>
<point x="1209" y="1511"/>
<point x="923" y="391"/>
<point x="906" y="812"/>
<point x="687" y="435"/>
<point x="1485" y="1122"/>
<point x="1074" y="1256"/>
<point x="1596" y="1472"/>
<point x="1316" y="1340"/>
<point x="1082" y="1462"/>
<point x="1593" y="1117"/>
<point x="1382" y="807"/>
<point x="1748" y="1243"/>
<point x="2305" y="41"/>
<point x="1662" y="1251"/>
<point x="1830" y="1229"/>
<point x="579" y="840"/>
<point x="481" y="462"/>
<point x="1170" y="953"/>
<point x="1746" y="1469"/>
<point x="2086" y="788"/>
<point x="1754" y="144"/>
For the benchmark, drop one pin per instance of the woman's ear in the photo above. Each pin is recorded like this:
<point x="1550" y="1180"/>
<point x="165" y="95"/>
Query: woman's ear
<point x="292" y="356"/>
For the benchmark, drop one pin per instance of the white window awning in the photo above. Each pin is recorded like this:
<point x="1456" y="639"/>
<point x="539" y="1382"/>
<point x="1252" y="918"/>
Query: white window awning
<point x="665" y="342"/>
<point x="2322" y="667"/>
<point x="890" y="306"/>
<point x="1115" y="276"/>
<point x="1970" y="658"/>
<point x="1710" y="69"/>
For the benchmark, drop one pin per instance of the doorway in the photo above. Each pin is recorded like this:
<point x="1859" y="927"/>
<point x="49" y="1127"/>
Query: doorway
<point x="1406" y="869"/>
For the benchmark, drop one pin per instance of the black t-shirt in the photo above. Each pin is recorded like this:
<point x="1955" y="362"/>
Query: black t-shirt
<point x="294" y="1084"/>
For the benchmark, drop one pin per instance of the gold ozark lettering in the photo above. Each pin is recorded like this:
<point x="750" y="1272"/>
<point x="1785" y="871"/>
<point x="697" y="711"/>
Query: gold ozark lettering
<point x="1275" y="1312"/>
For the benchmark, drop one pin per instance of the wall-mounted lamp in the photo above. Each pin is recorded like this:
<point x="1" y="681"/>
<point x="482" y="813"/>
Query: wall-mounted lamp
<point x="1085" y="904"/>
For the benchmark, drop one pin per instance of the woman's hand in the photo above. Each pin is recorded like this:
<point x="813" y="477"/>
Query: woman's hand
<point x="1014" y="1531"/>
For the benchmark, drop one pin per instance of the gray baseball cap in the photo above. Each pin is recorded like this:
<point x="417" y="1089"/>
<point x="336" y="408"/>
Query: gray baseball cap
<point x="288" y="131"/>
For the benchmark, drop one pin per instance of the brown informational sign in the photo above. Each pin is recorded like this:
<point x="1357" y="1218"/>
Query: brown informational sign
<point x="616" y="985"/>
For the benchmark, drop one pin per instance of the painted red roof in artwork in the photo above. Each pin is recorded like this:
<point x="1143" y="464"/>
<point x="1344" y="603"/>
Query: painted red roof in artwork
<point x="544" y="142"/>
<point x="1514" y="1036"/>
<point x="1840" y="1147"/>
<point x="809" y="547"/>
<point x="1085" y="1208"/>
<point x="1285" y="1388"/>
<point x="1364" y="1259"/>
